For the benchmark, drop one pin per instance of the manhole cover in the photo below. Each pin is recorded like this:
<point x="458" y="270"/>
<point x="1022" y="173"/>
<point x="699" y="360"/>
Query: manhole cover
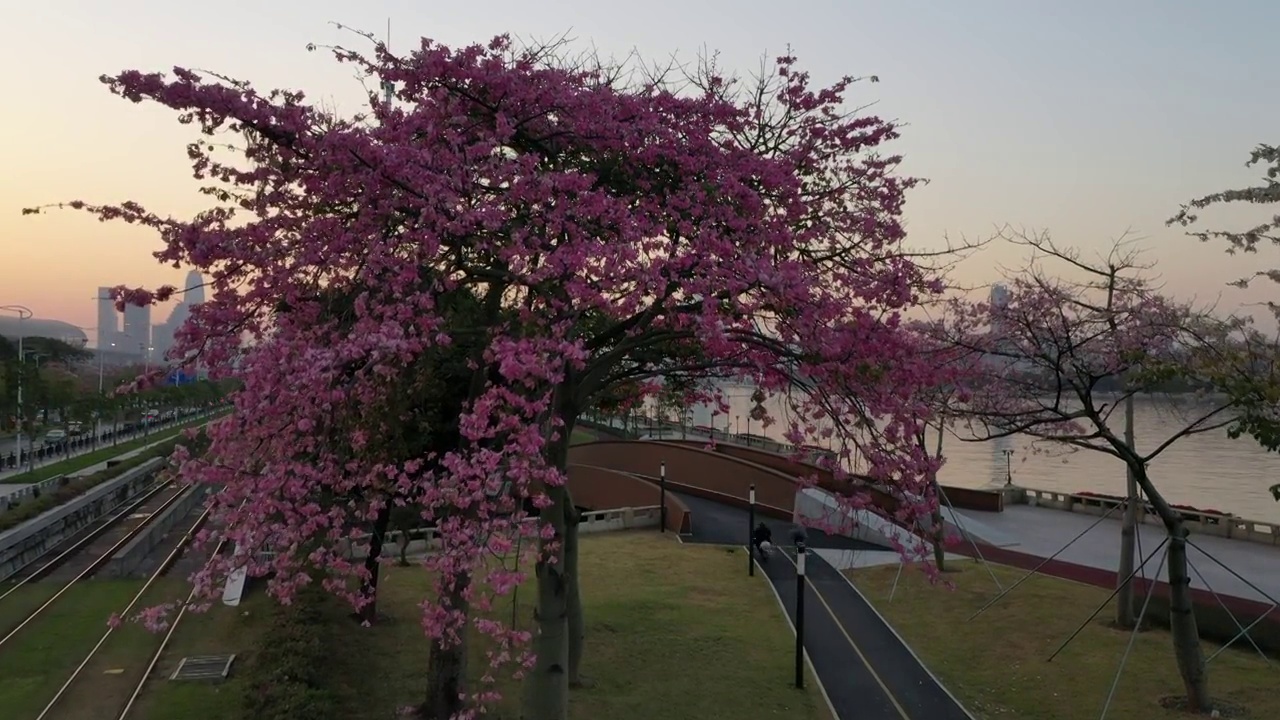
<point x="204" y="667"/>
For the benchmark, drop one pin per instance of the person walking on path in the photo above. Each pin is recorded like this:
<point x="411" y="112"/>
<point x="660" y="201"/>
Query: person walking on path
<point x="762" y="540"/>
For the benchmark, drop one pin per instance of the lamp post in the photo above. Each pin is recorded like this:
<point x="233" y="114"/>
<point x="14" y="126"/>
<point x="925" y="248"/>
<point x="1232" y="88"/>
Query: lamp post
<point x="24" y="313"/>
<point x="800" y="538"/>
<point x="1008" y="467"/>
<point x="662" y="501"/>
<point x="751" y="530"/>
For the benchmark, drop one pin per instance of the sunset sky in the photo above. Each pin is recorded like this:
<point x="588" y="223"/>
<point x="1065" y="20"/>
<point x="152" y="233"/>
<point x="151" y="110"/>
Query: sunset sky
<point x="1084" y="118"/>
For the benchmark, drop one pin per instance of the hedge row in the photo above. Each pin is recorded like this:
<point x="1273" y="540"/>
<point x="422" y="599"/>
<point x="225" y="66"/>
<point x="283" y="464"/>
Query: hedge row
<point x="72" y="488"/>
<point x="285" y="679"/>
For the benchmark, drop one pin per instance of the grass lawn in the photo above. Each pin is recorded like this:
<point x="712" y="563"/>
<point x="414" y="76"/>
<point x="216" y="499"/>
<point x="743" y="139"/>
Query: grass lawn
<point x="674" y="632"/>
<point x="577" y="437"/>
<point x="102" y="454"/>
<point x="995" y="664"/>
<point x="106" y="682"/>
<point x="220" y="630"/>
<point x="35" y="663"/>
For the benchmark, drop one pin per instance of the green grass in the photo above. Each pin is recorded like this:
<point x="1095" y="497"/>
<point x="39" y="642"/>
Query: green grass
<point x="102" y="454"/>
<point x="995" y="664"/>
<point x="220" y="630"/>
<point x="674" y="632"/>
<point x="35" y="663"/>
<point x="577" y="437"/>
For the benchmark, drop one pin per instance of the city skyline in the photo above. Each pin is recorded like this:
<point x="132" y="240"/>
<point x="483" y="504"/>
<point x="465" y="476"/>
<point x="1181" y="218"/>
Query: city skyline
<point x="152" y="339"/>
<point x="1083" y="144"/>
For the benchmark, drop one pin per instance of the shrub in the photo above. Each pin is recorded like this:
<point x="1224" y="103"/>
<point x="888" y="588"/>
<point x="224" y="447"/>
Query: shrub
<point x="285" y="679"/>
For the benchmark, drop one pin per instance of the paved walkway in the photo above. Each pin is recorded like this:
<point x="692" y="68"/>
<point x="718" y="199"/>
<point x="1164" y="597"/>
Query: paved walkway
<point x="867" y="671"/>
<point x="1044" y="531"/>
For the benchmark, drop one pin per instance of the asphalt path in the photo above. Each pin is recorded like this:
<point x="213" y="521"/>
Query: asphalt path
<point x="867" y="671"/>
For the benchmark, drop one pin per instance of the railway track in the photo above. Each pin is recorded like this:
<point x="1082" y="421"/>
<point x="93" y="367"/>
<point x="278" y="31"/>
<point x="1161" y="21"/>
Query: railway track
<point x="48" y="561"/>
<point x="89" y="554"/>
<point x="83" y="696"/>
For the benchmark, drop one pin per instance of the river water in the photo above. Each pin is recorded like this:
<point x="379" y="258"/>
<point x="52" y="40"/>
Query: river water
<point x="1208" y="471"/>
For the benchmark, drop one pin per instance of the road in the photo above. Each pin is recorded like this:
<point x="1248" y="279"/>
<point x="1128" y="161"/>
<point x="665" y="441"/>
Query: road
<point x="9" y="444"/>
<point x="866" y="670"/>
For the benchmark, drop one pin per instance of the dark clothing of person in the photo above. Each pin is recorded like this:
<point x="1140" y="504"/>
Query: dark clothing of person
<point x="762" y="534"/>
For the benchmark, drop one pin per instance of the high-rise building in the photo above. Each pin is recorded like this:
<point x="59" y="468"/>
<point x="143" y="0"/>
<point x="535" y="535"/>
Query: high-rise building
<point x="194" y="292"/>
<point x="999" y="296"/>
<point x="162" y="337"/>
<point x="137" y="329"/>
<point x="108" y="319"/>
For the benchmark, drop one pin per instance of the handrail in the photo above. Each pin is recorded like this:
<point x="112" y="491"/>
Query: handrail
<point x="1210" y="523"/>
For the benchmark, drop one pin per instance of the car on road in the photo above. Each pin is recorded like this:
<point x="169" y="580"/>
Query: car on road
<point x="75" y="429"/>
<point x="55" y="436"/>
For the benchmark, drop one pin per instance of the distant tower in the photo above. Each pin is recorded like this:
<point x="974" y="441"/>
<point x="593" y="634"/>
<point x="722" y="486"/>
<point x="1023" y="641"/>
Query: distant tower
<point x="999" y="296"/>
<point x="194" y="292"/>
<point x="108" y="319"/>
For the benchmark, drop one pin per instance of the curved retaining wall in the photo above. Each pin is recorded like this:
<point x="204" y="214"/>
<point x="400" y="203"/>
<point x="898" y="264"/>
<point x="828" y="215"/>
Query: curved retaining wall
<point x="599" y="488"/>
<point x="22" y="544"/>
<point x="126" y="562"/>
<point x="695" y="471"/>
<point x="964" y="498"/>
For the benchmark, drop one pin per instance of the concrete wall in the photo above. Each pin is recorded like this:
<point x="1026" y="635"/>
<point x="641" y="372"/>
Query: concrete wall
<point x="592" y="522"/>
<point x="30" y="540"/>
<point x="127" y="561"/>
<point x="33" y="491"/>
<point x="820" y="509"/>
<point x="1206" y="523"/>
<point x="600" y="488"/>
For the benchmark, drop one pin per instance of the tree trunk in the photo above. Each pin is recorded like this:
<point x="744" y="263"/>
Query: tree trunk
<point x="405" y="539"/>
<point x="547" y="686"/>
<point x="446" y="666"/>
<point x="939" y="528"/>
<point x="1182" y="619"/>
<point x="369" y="589"/>
<point x="1125" y="616"/>
<point x="576" y="626"/>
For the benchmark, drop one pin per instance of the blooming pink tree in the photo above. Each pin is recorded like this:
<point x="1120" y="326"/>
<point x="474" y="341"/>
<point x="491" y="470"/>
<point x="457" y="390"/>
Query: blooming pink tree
<point x="1063" y="354"/>
<point x="614" y="228"/>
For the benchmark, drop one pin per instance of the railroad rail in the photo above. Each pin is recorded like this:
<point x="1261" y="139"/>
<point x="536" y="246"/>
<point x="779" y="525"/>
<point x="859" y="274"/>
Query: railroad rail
<point x="92" y="559"/>
<point x="97" y="701"/>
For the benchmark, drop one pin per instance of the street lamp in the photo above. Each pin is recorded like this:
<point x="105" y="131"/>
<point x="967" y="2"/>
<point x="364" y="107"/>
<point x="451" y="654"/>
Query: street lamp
<point x="1008" y="467"/>
<point x="24" y="313"/>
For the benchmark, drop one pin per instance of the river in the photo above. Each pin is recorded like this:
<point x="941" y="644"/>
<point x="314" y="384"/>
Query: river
<point x="1209" y="471"/>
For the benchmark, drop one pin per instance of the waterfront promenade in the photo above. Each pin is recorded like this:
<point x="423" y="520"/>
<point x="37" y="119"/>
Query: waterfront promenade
<point x="1043" y="532"/>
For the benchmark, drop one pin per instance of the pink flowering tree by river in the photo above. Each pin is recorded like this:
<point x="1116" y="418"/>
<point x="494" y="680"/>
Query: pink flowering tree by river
<point x="613" y="227"/>
<point x="1059" y="361"/>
